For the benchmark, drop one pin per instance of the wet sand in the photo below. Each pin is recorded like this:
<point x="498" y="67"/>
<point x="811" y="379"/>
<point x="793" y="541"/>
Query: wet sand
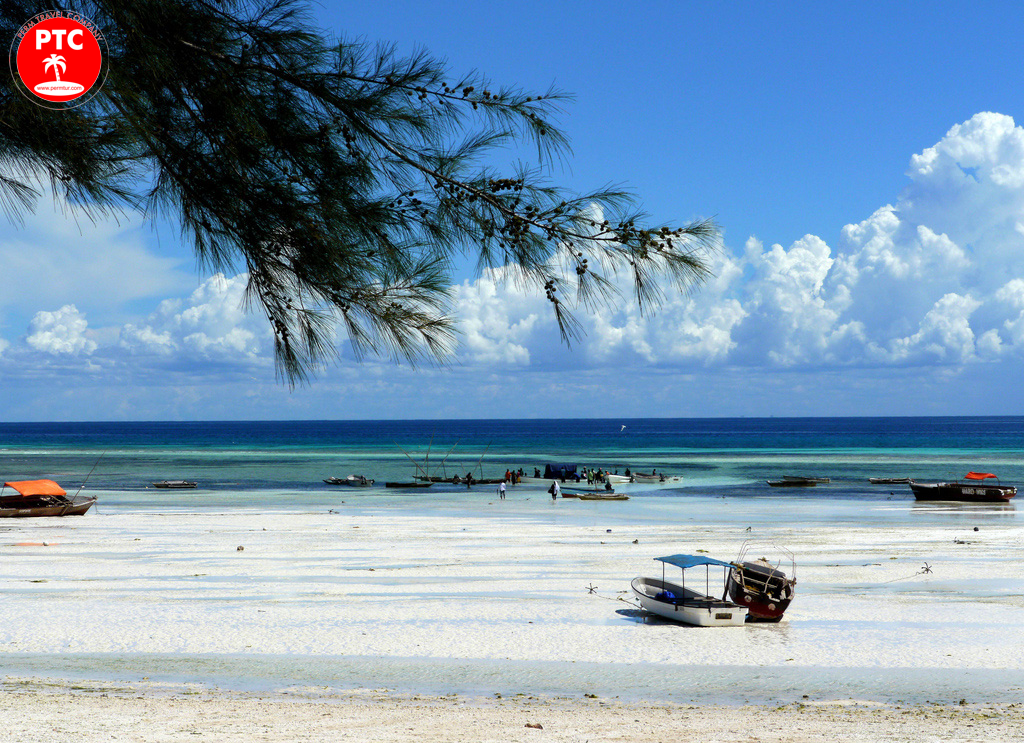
<point x="44" y="713"/>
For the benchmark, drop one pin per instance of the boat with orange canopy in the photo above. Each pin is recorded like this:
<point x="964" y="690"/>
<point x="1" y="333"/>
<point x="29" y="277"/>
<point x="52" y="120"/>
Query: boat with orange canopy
<point x="41" y="498"/>
<point x="973" y="489"/>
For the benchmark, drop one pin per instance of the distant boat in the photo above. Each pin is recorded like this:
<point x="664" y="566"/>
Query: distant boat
<point x="801" y="478"/>
<point x="41" y="498"/>
<point x="681" y="604"/>
<point x="655" y="477"/>
<point x="601" y="496"/>
<point x="889" y="480"/>
<point x="975" y="491"/>
<point x="408" y="484"/>
<point x="792" y="483"/>
<point x="583" y="487"/>
<point x="176" y="484"/>
<point x="355" y="481"/>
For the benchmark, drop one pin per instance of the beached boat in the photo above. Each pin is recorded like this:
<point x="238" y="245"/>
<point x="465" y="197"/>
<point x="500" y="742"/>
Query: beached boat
<point x="681" y="604"/>
<point x="408" y="484"/>
<point x="889" y="480"/>
<point x="761" y="586"/>
<point x="792" y="483"/>
<point x="175" y="484"/>
<point x="601" y="496"/>
<point x="355" y="481"/>
<point x="41" y="498"/>
<point x="972" y="490"/>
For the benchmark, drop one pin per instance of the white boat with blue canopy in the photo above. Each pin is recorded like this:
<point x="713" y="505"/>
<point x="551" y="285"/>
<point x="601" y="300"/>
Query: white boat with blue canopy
<point x="684" y="604"/>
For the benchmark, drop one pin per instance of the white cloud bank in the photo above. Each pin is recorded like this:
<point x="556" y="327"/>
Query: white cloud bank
<point x="935" y="279"/>
<point x="211" y="324"/>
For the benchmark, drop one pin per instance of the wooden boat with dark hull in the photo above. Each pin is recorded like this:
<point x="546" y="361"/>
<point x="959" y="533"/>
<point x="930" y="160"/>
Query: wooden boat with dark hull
<point x="972" y="490"/>
<point x="41" y="498"/>
<point x="762" y="587"/>
<point x="175" y="484"/>
<point x="408" y="485"/>
<point x="353" y="481"/>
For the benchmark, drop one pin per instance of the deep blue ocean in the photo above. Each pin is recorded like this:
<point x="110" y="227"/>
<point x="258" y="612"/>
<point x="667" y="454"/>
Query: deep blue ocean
<point x="731" y="456"/>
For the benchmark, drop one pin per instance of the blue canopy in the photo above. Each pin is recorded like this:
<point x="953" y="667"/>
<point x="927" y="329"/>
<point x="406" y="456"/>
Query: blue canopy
<point x="559" y="471"/>
<point x="690" y="561"/>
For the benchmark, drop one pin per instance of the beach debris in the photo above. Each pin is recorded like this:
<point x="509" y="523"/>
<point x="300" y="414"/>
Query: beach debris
<point x="239" y="548"/>
<point x="535" y="725"/>
<point x="592" y="588"/>
<point x="977" y="529"/>
<point x="636" y="541"/>
<point x="927" y="568"/>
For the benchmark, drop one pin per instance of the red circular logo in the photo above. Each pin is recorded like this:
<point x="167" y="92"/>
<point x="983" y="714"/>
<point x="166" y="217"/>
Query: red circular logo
<point x="59" y="57"/>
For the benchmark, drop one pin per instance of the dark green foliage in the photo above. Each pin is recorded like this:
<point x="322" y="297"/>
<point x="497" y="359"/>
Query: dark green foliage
<point x="342" y="177"/>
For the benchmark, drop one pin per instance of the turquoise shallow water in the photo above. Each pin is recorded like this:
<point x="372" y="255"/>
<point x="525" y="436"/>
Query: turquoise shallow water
<point x="232" y="459"/>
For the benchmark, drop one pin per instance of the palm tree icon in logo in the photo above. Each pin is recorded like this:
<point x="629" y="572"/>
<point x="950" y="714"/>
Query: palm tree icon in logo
<point x="57" y="63"/>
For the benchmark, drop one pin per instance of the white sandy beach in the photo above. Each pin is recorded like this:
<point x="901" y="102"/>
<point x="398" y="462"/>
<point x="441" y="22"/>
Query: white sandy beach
<point x="468" y="622"/>
<point x="144" y="715"/>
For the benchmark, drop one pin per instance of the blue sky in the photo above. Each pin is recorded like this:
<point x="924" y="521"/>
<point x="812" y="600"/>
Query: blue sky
<point x="866" y="163"/>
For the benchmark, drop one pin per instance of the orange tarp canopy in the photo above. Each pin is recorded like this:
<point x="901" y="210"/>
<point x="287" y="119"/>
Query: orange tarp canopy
<point x="37" y="487"/>
<point x="979" y="475"/>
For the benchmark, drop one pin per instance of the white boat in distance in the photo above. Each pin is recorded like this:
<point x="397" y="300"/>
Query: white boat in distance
<point x="681" y="604"/>
<point x="655" y="477"/>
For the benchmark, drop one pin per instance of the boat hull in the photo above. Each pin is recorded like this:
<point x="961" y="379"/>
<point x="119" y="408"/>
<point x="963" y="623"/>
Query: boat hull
<point x="764" y="590"/>
<point x="75" y="508"/>
<point x="689" y="606"/>
<point x="963" y="492"/>
<point x="351" y="481"/>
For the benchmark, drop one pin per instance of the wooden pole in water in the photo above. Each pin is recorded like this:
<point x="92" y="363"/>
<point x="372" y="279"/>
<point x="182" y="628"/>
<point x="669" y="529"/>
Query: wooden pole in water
<point x="480" y="463"/>
<point x="88" y="476"/>
<point x="414" y="463"/>
<point x="443" y="471"/>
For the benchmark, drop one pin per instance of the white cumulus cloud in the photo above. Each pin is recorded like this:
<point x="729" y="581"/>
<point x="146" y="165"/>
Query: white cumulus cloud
<point x="62" y="332"/>
<point x="936" y="277"/>
<point x="211" y="324"/>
